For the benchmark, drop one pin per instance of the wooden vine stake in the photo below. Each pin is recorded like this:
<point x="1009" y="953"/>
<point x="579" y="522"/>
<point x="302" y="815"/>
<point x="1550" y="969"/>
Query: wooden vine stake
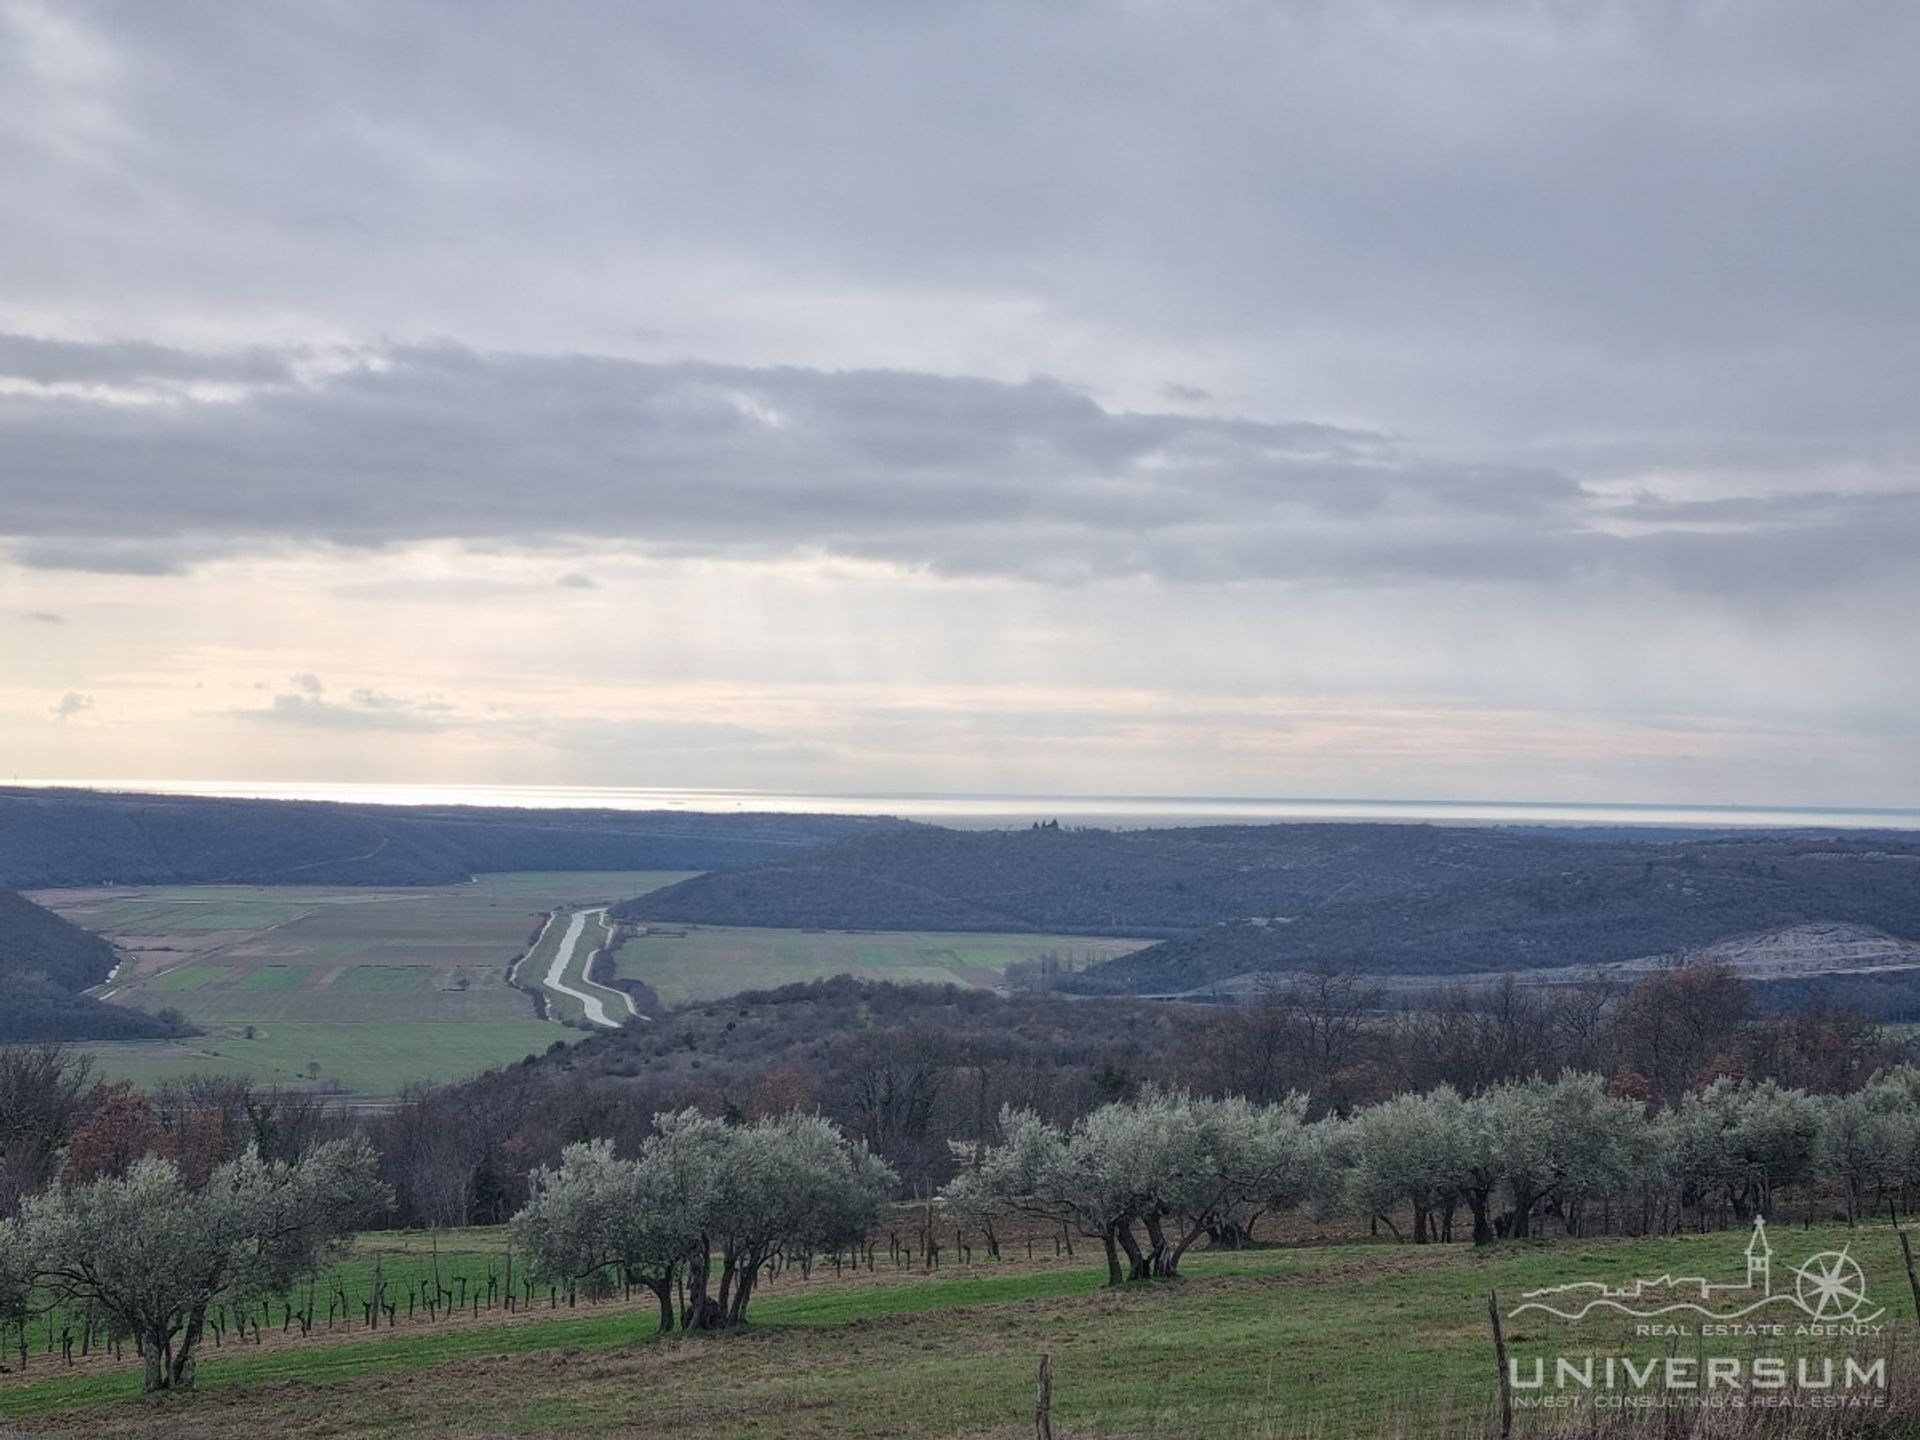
<point x="1500" y="1360"/>
<point x="1906" y="1253"/>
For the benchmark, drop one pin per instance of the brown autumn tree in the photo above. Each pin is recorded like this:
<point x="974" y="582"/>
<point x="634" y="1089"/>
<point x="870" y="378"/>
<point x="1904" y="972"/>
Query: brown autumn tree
<point x="781" y="1092"/>
<point x="1675" y="1024"/>
<point x="121" y="1130"/>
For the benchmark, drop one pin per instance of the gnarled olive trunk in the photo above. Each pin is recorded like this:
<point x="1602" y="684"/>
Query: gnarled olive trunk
<point x="1482" y="1225"/>
<point x="702" y="1311"/>
<point x="1157" y="1261"/>
<point x="662" y="1288"/>
<point x="1137" y="1268"/>
<point x="170" y="1364"/>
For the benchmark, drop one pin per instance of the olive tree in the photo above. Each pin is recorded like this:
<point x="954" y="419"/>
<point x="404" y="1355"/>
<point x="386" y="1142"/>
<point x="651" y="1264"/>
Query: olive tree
<point x="748" y="1193"/>
<point x="1411" y="1148"/>
<point x="1869" y="1139"/>
<point x="1036" y="1171"/>
<point x="1231" y="1161"/>
<point x="597" y="1219"/>
<point x="1738" y="1143"/>
<point x="1535" y="1142"/>
<point x="1175" y="1166"/>
<point x="149" y="1256"/>
<point x="1502" y="1144"/>
<point x="1598" y="1146"/>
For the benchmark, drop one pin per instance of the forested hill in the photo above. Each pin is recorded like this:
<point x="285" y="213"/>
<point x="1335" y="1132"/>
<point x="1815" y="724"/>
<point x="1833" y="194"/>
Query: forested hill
<point x="45" y="962"/>
<point x="70" y="837"/>
<point x="1127" y="882"/>
<point x="1611" y="906"/>
<point x="1391" y="898"/>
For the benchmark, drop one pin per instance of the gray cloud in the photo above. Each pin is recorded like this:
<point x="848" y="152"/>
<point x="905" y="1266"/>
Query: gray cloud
<point x="1516" y="221"/>
<point x="959" y="475"/>
<point x="103" y="553"/>
<point x="132" y="363"/>
<point x="363" y="710"/>
<point x="71" y="704"/>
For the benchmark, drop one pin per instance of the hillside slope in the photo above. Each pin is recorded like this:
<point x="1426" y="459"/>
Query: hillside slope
<point x="45" y="962"/>
<point x="53" y="838"/>
<point x="1414" y="899"/>
<point x="1653" y="900"/>
<point x="1128" y="882"/>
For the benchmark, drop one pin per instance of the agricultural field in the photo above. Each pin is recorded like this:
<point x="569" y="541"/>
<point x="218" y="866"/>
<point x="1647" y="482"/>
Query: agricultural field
<point x="1339" y="1340"/>
<point x="687" y="962"/>
<point x="364" y="990"/>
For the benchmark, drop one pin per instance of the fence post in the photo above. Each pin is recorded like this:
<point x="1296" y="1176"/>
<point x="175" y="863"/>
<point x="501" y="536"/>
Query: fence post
<point x="1500" y="1360"/>
<point x="1906" y="1253"/>
<point x="1043" y="1401"/>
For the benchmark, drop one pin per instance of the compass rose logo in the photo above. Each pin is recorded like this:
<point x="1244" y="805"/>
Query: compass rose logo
<point x="1829" y="1286"/>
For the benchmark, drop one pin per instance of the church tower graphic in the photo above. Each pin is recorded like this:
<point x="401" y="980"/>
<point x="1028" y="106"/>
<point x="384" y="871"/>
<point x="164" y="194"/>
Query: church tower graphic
<point x="1760" y="1259"/>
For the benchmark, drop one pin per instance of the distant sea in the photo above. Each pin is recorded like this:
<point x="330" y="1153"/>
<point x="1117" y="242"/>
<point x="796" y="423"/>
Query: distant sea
<point x="993" y="811"/>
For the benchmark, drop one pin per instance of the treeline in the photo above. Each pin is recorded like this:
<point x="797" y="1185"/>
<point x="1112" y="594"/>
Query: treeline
<point x="1151" y="1176"/>
<point x="59" y="1122"/>
<point x="920" y="1075"/>
<point x="1402" y="899"/>
<point x="62" y="838"/>
<point x="45" y="962"/>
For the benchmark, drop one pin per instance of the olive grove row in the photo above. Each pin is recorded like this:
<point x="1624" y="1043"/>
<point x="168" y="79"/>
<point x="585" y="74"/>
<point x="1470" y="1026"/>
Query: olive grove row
<point x="1150" y="1177"/>
<point x="698" y="1217"/>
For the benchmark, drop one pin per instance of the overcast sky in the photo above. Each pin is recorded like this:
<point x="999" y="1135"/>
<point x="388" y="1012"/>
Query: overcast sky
<point x="1440" y="399"/>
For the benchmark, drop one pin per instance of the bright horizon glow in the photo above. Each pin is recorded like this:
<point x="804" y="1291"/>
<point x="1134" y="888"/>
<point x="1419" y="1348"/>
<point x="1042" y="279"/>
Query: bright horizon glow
<point x="1127" y="811"/>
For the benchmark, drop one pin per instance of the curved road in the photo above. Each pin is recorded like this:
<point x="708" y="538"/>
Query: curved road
<point x="555" y="980"/>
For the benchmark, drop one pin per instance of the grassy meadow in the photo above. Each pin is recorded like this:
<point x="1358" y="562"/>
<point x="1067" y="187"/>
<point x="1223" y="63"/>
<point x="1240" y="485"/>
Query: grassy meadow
<point x="366" y="988"/>
<point x="706" y="962"/>
<point x="1338" y="1339"/>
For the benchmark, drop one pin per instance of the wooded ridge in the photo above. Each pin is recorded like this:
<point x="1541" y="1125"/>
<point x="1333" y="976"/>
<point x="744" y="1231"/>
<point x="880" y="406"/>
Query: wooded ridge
<point x="82" y="837"/>
<point x="1409" y="899"/>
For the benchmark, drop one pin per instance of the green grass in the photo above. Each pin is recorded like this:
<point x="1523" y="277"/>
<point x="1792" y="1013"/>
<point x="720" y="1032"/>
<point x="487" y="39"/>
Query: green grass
<point x="385" y="978"/>
<point x="708" y="962"/>
<point x="273" y="978"/>
<point x="1247" y="1344"/>
<point x="192" y="977"/>
<point x="367" y="1058"/>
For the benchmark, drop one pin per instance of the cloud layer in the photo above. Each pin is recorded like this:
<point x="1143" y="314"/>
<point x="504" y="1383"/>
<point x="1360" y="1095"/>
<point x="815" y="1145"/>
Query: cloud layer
<point x="959" y="476"/>
<point x="1337" y="397"/>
